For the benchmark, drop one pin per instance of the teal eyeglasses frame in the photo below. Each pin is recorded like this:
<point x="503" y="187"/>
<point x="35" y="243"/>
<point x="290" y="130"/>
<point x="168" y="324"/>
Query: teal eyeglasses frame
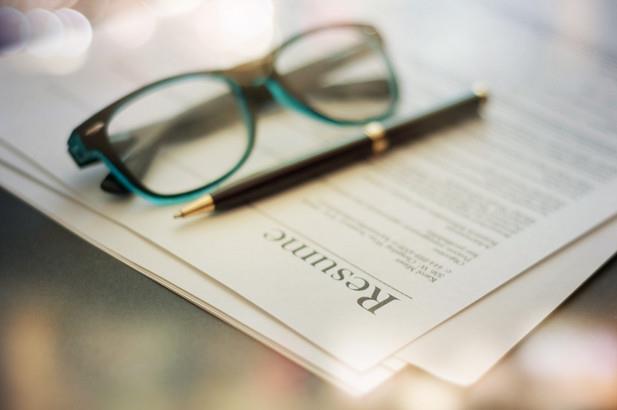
<point x="251" y="84"/>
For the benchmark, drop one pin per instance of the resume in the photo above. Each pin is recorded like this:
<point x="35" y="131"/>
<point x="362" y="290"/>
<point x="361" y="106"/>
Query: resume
<point x="363" y="261"/>
<point x="367" y="259"/>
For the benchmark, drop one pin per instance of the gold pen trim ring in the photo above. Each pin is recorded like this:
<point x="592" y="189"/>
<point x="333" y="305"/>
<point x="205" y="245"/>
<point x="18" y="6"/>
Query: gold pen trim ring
<point x="377" y="133"/>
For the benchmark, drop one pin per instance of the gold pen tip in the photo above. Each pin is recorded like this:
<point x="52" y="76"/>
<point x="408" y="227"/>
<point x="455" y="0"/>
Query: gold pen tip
<point x="204" y="204"/>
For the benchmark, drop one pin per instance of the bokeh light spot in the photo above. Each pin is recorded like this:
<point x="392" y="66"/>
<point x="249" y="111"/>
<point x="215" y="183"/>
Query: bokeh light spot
<point x="14" y="30"/>
<point x="47" y="33"/>
<point x="77" y="32"/>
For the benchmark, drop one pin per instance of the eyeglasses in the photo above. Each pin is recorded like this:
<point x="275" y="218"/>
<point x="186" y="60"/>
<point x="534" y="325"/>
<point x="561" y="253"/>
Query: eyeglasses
<point x="177" y="138"/>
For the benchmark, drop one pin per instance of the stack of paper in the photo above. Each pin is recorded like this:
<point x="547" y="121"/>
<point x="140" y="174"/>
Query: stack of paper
<point x="442" y="254"/>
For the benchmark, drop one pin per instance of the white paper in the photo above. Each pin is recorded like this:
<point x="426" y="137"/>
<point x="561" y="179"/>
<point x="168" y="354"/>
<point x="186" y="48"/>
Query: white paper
<point x="549" y="181"/>
<point x="464" y="347"/>
<point x="40" y="190"/>
<point x="483" y="332"/>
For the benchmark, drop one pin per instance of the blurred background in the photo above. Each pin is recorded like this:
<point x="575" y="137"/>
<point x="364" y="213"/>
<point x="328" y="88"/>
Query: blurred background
<point x="108" y="338"/>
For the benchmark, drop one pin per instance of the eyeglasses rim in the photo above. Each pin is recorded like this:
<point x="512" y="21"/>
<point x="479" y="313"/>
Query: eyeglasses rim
<point x="89" y="142"/>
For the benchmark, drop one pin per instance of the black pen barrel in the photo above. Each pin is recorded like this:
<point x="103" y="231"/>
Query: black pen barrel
<point x="292" y="174"/>
<point x="360" y="148"/>
<point x="437" y="118"/>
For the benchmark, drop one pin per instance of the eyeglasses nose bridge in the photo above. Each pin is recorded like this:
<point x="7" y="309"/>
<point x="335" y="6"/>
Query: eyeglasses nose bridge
<point x="252" y="73"/>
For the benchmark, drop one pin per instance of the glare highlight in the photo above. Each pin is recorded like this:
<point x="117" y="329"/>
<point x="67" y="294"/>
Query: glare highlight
<point x="131" y="27"/>
<point x="238" y="30"/>
<point x="172" y="8"/>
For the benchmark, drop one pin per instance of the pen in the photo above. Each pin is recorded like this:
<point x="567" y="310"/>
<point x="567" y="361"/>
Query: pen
<point x="375" y="140"/>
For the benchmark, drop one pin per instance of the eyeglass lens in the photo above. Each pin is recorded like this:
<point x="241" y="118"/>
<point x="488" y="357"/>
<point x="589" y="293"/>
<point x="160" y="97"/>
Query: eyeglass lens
<point x="181" y="135"/>
<point x="339" y="72"/>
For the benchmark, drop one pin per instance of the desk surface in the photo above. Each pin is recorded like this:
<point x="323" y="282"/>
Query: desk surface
<point x="81" y="329"/>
